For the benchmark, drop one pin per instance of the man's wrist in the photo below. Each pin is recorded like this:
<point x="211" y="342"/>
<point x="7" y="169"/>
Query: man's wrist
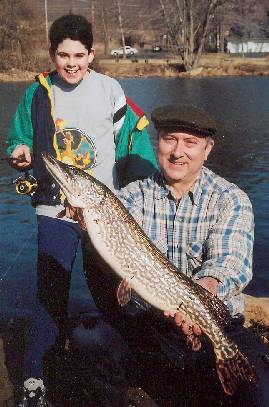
<point x="209" y="283"/>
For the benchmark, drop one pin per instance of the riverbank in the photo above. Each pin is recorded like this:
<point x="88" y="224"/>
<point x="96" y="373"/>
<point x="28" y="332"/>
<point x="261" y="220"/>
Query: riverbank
<point x="211" y="65"/>
<point x="257" y="316"/>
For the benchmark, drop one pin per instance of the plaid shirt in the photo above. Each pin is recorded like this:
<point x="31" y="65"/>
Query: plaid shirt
<point x="209" y="232"/>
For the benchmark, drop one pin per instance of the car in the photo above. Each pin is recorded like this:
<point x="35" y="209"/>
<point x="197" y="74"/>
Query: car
<point x="156" y="48"/>
<point x="119" y="51"/>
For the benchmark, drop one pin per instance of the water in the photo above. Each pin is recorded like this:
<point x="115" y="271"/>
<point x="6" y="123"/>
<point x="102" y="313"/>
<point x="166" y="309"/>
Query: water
<point x="240" y="105"/>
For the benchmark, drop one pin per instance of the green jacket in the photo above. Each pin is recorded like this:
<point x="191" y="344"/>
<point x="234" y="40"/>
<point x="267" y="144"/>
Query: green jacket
<point x="33" y="125"/>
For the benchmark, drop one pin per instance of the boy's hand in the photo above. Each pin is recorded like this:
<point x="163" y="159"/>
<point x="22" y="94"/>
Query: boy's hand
<point x="21" y="157"/>
<point x="73" y="213"/>
<point x="186" y="325"/>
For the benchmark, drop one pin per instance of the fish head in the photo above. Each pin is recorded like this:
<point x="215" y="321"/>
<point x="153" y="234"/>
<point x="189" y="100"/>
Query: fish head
<point x="80" y="188"/>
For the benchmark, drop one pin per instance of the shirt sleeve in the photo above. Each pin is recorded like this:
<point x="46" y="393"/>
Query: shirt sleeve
<point x="120" y="106"/>
<point x="229" y="246"/>
<point x="132" y="198"/>
<point x="21" y="130"/>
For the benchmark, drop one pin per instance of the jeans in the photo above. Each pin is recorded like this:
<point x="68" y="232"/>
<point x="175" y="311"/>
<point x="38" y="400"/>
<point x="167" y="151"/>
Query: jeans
<point x="57" y="247"/>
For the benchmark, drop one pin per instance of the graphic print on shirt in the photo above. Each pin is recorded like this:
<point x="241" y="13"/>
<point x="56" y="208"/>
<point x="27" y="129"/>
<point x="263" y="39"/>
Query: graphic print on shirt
<point x="74" y="147"/>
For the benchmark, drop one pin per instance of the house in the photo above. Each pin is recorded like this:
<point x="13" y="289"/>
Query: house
<point x="248" y="46"/>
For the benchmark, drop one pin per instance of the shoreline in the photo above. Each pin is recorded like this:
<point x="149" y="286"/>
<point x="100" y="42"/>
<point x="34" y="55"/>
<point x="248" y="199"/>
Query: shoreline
<point x="211" y="65"/>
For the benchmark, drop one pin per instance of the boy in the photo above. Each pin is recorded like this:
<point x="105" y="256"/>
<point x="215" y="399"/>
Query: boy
<point x="82" y="118"/>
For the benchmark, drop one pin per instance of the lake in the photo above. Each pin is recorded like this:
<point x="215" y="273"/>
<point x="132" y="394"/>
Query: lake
<point x="240" y="105"/>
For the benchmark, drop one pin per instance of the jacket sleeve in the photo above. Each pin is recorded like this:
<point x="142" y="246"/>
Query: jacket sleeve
<point x="21" y="129"/>
<point x="135" y="156"/>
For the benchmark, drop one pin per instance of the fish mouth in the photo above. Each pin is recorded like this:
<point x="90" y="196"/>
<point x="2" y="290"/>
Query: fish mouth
<point x="68" y="177"/>
<point x="60" y="173"/>
<point x="57" y="169"/>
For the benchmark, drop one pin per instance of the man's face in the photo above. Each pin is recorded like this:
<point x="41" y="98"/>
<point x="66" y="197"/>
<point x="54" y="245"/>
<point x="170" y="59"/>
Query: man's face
<point x="71" y="60"/>
<point x="181" y="155"/>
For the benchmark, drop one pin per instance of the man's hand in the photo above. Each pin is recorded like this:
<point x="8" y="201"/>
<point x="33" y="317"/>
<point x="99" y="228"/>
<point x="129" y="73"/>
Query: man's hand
<point x="21" y="157"/>
<point x="187" y="326"/>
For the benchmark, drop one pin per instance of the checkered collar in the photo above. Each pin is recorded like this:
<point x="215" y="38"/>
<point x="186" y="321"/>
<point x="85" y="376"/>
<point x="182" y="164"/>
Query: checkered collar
<point x="162" y="190"/>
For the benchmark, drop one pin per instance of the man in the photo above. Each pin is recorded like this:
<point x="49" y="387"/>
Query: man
<point x="204" y="225"/>
<point x="207" y="227"/>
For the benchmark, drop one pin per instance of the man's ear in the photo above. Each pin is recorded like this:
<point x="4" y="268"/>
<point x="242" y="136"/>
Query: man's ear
<point x="91" y="55"/>
<point x="209" y="146"/>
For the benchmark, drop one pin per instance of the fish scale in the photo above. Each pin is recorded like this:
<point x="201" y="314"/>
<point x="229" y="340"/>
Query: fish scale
<point x="130" y="253"/>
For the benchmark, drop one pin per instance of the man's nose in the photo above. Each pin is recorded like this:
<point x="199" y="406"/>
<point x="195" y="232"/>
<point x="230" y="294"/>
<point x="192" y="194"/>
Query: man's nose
<point x="178" y="150"/>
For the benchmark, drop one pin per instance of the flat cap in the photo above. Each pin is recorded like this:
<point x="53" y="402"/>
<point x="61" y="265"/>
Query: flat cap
<point x="186" y="118"/>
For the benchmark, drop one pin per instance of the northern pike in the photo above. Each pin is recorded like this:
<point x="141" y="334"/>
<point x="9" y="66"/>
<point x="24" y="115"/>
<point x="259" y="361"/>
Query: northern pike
<point x="124" y="246"/>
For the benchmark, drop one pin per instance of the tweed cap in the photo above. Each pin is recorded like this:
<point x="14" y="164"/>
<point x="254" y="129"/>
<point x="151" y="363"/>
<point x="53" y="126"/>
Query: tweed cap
<point x="186" y="118"/>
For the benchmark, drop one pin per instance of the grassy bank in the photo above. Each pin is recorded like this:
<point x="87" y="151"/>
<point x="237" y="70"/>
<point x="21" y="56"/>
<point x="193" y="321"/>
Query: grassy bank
<point x="216" y="65"/>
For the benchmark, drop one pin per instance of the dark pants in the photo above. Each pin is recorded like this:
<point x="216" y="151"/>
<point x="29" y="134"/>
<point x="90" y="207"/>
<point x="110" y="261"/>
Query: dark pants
<point x="146" y="349"/>
<point x="57" y="247"/>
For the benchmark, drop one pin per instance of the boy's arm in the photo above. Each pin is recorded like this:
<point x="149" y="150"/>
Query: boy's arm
<point x="120" y="108"/>
<point x="20" y="138"/>
<point x="135" y="155"/>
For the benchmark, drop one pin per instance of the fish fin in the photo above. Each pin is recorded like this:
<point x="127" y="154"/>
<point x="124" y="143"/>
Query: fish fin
<point x="194" y="342"/>
<point x="124" y="292"/>
<point x="232" y="371"/>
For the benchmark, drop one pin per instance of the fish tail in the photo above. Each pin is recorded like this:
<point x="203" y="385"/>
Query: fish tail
<point x="233" y="370"/>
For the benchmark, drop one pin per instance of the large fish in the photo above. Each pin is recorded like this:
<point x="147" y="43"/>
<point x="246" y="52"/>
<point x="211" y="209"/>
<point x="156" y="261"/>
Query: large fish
<point x="130" y="253"/>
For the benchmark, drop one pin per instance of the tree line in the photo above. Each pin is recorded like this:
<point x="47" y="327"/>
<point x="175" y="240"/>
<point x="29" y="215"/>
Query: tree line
<point x="187" y="27"/>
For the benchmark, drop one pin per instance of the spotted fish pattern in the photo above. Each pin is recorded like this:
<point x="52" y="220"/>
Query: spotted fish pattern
<point x="129" y="252"/>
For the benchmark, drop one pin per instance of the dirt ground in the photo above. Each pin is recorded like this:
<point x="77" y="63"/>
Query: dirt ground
<point x="257" y="315"/>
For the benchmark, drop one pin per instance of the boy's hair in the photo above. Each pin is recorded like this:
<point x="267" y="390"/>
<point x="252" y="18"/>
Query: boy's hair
<point x="75" y="27"/>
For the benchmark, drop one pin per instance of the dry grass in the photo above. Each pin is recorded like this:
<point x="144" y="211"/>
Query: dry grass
<point x="210" y="65"/>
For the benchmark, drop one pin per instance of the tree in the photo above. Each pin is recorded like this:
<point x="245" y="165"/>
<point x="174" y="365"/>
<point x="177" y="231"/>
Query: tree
<point x="248" y="19"/>
<point x="104" y="19"/>
<point x="188" y="23"/>
<point x="118" y="5"/>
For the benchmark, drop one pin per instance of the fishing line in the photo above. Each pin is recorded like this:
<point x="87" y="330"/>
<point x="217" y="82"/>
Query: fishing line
<point x="25" y="185"/>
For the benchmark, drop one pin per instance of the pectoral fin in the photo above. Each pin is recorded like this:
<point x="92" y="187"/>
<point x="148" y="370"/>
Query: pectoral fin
<point x="124" y="292"/>
<point x="194" y="342"/>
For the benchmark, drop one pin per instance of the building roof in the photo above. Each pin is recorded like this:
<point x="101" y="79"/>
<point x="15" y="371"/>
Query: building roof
<point x="240" y="40"/>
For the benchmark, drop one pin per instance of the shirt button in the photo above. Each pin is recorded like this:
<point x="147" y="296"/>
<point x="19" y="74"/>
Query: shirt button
<point x="53" y="185"/>
<point x="54" y="197"/>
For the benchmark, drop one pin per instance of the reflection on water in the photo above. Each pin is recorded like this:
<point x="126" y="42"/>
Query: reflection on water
<point x="240" y="105"/>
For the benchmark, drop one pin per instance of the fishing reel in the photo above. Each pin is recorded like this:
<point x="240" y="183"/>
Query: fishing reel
<point x="26" y="184"/>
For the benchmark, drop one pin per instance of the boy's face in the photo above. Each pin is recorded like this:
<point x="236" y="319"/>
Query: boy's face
<point x="71" y="60"/>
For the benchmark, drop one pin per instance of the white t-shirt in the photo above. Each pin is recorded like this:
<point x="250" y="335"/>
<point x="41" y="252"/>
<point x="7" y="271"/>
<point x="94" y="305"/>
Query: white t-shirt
<point x="87" y="117"/>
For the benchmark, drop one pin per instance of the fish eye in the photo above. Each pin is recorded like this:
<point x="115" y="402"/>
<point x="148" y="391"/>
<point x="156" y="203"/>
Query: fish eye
<point x="75" y="170"/>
